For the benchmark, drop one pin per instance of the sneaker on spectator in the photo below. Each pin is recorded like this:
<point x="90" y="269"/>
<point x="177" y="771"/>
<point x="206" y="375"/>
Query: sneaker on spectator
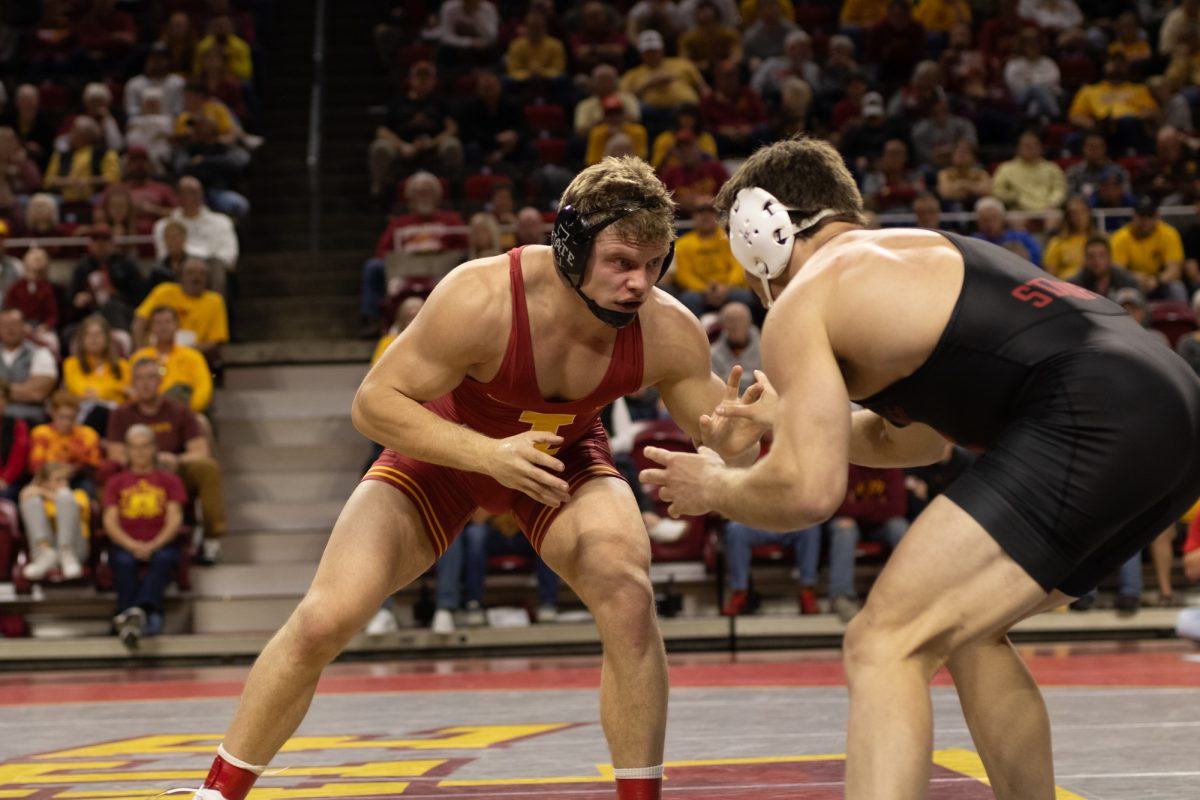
<point x="209" y="552"/>
<point x="668" y="530"/>
<point x="207" y="794"/>
<point x="45" y="560"/>
<point x="1127" y="604"/>
<point x="846" y="607"/>
<point x="1084" y="603"/>
<point x="443" y="622"/>
<point x="71" y="568"/>
<point x="474" y="616"/>
<point x="736" y="604"/>
<point x="154" y="624"/>
<point x="383" y="622"/>
<point x="130" y="623"/>
<point x="546" y="614"/>
<point x="807" y="600"/>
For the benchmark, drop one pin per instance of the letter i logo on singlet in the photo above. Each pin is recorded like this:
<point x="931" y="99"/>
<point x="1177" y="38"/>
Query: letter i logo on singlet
<point x="546" y="422"/>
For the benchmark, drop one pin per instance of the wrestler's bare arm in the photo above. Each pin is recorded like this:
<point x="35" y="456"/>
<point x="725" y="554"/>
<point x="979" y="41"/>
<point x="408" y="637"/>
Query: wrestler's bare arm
<point x="875" y="442"/>
<point x="458" y="328"/>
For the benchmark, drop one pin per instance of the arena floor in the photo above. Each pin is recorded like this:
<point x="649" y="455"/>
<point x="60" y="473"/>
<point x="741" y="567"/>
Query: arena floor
<point x="764" y="726"/>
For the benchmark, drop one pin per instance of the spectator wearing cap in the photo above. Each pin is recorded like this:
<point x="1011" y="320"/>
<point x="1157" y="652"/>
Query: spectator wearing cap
<point x="1084" y="178"/>
<point x="1033" y="79"/>
<point x="34" y="127"/>
<point x="696" y="176"/>
<point x="614" y="123"/>
<point x="210" y="235"/>
<point x="85" y="166"/>
<point x="704" y="274"/>
<point x="710" y="42"/>
<point x="419" y="133"/>
<point x="992" y="222"/>
<point x="597" y="40"/>
<point x="33" y="294"/>
<point x="1064" y="250"/>
<point x="1117" y="107"/>
<point x="1153" y="250"/>
<point x="467" y="32"/>
<point x="203" y="320"/>
<point x="1134" y="303"/>
<point x="734" y="112"/>
<point x="106" y="281"/>
<point x="493" y="126"/>
<point x="589" y="112"/>
<point x="235" y="48"/>
<point x="766" y="37"/>
<point x="29" y="369"/>
<point x="659" y="82"/>
<point x="1099" y="274"/>
<point x="156" y="75"/>
<point x="863" y="143"/>
<point x="19" y="174"/>
<point x="795" y="61"/>
<point x="11" y="269"/>
<point x="1030" y="182"/>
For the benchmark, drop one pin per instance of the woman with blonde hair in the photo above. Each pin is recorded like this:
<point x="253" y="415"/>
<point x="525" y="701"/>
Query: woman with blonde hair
<point x="483" y="236"/>
<point x="1064" y="250"/>
<point x="96" y="371"/>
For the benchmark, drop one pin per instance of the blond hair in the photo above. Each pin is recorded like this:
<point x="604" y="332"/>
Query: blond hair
<point x="625" y="180"/>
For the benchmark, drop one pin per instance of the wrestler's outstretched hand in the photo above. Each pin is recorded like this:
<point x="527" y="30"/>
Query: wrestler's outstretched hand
<point x="519" y="463"/>
<point x="733" y="434"/>
<point x="684" y="479"/>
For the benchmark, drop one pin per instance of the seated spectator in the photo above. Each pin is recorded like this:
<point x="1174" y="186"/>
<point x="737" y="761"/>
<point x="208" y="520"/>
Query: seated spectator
<point x="1085" y="177"/>
<point x="738" y="344"/>
<point x="483" y="236"/>
<point x="493" y="126"/>
<point x="34" y="295"/>
<point x="766" y="37"/>
<point x="730" y="13"/>
<point x="34" y="126"/>
<point x="79" y="172"/>
<point x="598" y="40"/>
<point x="917" y="98"/>
<point x="503" y="208"/>
<point x="740" y="541"/>
<point x="896" y="43"/>
<point x="1174" y="106"/>
<point x="1115" y="106"/>
<point x="210" y="234"/>
<point x="614" y="123"/>
<point x="928" y="211"/>
<point x="183" y="447"/>
<point x="1153" y="250"/>
<point x="467" y="32"/>
<point x="704" y="272"/>
<point x="874" y="509"/>
<point x="695" y="176"/>
<point x="106" y="281"/>
<point x="42" y="222"/>
<point x="863" y="143"/>
<point x="589" y="112"/>
<point x="97" y="105"/>
<point x="186" y="376"/>
<point x="709" y="41"/>
<point x="482" y="538"/>
<point x="203" y="320"/>
<point x="848" y="110"/>
<point x="1064" y="250"/>
<point x="1030" y="182"/>
<point x="734" y="112"/>
<point x="152" y="131"/>
<point x="1099" y="275"/>
<point x="688" y="118"/>
<point x="535" y="57"/>
<point x="892" y="185"/>
<point x="152" y="199"/>
<point x="1172" y="177"/>
<point x="1134" y="303"/>
<point x="222" y="85"/>
<point x="839" y="65"/>
<point x="531" y="228"/>
<point x="19" y="174"/>
<point x="235" y="48"/>
<point x="993" y="227"/>
<point x="1051" y="15"/>
<point x="218" y="165"/>
<point x="791" y="117"/>
<point x="63" y="441"/>
<point x="28" y="368"/>
<point x="935" y="137"/>
<point x="659" y="82"/>
<point x="419" y="133"/>
<point x="940" y="16"/>
<point x="11" y="268"/>
<point x="1130" y="41"/>
<point x="174" y="236"/>
<point x="964" y="181"/>
<point x="180" y="40"/>
<point x="424" y="230"/>
<point x="54" y="516"/>
<point x="96" y="372"/>
<point x="197" y="102"/>
<point x="795" y="61"/>
<point x="662" y="16"/>
<point x="1033" y="79"/>
<point x="157" y="75"/>
<point x="859" y="15"/>
<point x="143" y="511"/>
<point x="105" y="35"/>
<point x="1110" y="194"/>
<point x="115" y="211"/>
<point x="14" y="448"/>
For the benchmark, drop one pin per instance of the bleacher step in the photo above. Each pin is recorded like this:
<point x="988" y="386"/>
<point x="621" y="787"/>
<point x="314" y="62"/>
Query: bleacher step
<point x="280" y="547"/>
<point x="343" y="458"/>
<point x="290" y="487"/>
<point x="294" y="377"/>
<point x="264" y="515"/>
<point x="281" y="579"/>
<point x="263" y="404"/>
<point x="291" y="431"/>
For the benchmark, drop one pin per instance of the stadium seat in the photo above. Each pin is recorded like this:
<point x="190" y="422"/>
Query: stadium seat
<point x="1173" y="318"/>
<point x="478" y="188"/>
<point x="551" y="150"/>
<point x="698" y="541"/>
<point x="546" y="118"/>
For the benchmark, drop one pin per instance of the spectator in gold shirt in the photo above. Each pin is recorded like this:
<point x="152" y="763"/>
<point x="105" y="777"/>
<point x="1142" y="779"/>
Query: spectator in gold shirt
<point x="704" y="274"/>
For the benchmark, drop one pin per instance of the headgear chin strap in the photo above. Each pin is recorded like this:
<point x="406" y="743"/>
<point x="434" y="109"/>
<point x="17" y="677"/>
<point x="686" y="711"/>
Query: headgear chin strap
<point x="762" y="233"/>
<point x="571" y="242"/>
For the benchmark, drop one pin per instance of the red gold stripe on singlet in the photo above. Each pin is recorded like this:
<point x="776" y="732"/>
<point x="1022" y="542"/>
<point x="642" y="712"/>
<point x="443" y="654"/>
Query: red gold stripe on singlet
<point x="537" y="531"/>
<point x="406" y="484"/>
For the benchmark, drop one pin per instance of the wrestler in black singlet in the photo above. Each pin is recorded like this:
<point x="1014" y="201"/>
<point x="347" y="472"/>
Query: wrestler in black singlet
<point x="1089" y="424"/>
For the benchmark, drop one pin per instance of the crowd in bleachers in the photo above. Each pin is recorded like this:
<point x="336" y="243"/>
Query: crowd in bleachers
<point x="1053" y="128"/>
<point x="125" y="153"/>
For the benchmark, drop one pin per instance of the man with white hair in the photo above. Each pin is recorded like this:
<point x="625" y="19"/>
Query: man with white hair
<point x="34" y="127"/>
<point x="210" y="235"/>
<point x="796" y="60"/>
<point x="84" y="166"/>
<point x="97" y="104"/>
<point x="590" y="110"/>
<point x="992" y="222"/>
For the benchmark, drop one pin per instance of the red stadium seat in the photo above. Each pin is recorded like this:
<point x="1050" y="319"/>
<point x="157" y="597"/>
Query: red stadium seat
<point x="551" y="150"/>
<point x="478" y="188"/>
<point x="10" y="538"/>
<point x="1173" y="318"/>
<point x="546" y="118"/>
<point x="697" y="542"/>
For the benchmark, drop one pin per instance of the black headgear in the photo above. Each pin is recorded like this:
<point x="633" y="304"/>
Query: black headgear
<point x="572" y="239"/>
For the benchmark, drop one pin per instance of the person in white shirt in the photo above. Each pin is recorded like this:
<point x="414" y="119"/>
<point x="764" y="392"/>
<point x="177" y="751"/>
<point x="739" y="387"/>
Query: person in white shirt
<point x="1033" y="79"/>
<point x="29" y="369"/>
<point x="157" y="76"/>
<point x="210" y="235"/>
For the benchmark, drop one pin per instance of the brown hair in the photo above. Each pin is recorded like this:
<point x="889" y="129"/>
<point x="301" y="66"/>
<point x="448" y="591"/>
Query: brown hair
<point x="65" y="398"/>
<point x="110" y="350"/>
<point x="805" y="174"/>
<point x="619" y="180"/>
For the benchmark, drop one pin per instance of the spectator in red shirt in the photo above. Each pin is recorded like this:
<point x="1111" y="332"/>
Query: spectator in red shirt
<point x="143" y="510"/>
<point x="14" y="447"/>
<point x="426" y="230"/>
<point x="734" y="112"/>
<point x="34" y="294"/>
<point x="696" y="176"/>
<point x="876" y="502"/>
<point x="896" y="43"/>
<point x="152" y="200"/>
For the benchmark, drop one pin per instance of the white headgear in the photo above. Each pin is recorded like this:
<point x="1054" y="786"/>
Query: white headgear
<point x="761" y="233"/>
